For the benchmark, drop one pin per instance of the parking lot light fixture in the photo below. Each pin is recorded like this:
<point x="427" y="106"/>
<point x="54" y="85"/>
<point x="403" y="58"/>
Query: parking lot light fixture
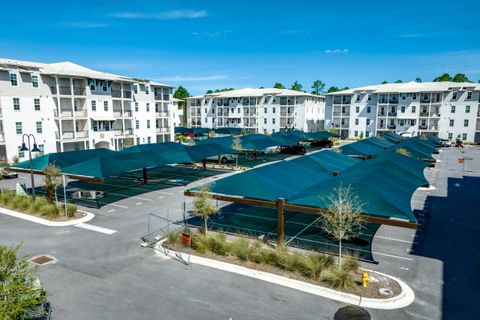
<point x="30" y="150"/>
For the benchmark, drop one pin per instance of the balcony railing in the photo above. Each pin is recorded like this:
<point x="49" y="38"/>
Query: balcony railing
<point x="117" y="114"/>
<point x="81" y="113"/>
<point x="82" y="134"/>
<point x="65" y="135"/>
<point x="393" y="101"/>
<point x="63" y="113"/>
<point x="65" y="90"/>
<point x="127" y="94"/>
<point x="424" y="114"/>
<point x="392" y="114"/>
<point x="435" y="115"/>
<point x="391" y="126"/>
<point x="127" y="113"/>
<point x="423" y="127"/>
<point x="116" y="93"/>
<point x="383" y="101"/>
<point x="382" y="114"/>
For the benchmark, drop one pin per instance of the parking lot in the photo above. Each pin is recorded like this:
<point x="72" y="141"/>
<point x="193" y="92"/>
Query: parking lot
<point x="102" y="263"/>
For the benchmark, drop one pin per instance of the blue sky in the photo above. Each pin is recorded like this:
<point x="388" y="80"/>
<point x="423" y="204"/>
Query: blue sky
<point x="214" y="44"/>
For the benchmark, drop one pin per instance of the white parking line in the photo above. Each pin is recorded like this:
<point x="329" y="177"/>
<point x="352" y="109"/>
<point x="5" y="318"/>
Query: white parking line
<point x="117" y="205"/>
<point x="166" y="193"/>
<point x="144" y="199"/>
<point x="110" y="210"/>
<point x="392" y="256"/>
<point x="161" y="197"/>
<point x="393" y="239"/>
<point x="95" y="228"/>
<point x="138" y="203"/>
<point x="403" y="268"/>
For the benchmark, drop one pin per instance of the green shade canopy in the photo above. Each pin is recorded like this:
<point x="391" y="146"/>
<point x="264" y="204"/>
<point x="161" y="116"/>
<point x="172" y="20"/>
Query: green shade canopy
<point x="235" y="131"/>
<point x="184" y="130"/>
<point x="361" y="148"/>
<point x="287" y="138"/>
<point x="392" y="137"/>
<point x="378" y="142"/>
<point x="63" y="159"/>
<point x="206" y="150"/>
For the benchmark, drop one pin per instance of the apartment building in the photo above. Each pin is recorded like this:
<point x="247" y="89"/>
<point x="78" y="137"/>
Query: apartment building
<point x="70" y="107"/>
<point x="263" y="110"/>
<point x="448" y="110"/>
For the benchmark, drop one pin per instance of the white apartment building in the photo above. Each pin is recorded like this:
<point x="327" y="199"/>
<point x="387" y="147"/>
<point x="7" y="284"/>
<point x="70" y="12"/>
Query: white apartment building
<point x="263" y="110"/>
<point x="70" y="107"/>
<point x="177" y="113"/>
<point x="448" y="110"/>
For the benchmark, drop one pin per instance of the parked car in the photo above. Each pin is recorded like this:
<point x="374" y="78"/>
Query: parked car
<point x="445" y="143"/>
<point x="325" y="143"/>
<point x="224" y="158"/>
<point x="459" y="143"/>
<point x="297" y="150"/>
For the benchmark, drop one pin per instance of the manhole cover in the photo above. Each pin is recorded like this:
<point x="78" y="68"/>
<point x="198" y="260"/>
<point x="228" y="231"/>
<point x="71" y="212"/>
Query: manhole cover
<point x="351" y="313"/>
<point x="385" y="291"/>
<point x="43" y="260"/>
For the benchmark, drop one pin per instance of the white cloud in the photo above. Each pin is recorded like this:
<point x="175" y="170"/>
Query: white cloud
<point x="84" y="25"/>
<point x="193" y="78"/>
<point x="167" y="15"/>
<point x="336" y="51"/>
<point x="212" y="34"/>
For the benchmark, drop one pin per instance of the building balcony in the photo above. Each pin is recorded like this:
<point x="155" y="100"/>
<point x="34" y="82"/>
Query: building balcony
<point x="424" y="114"/>
<point x="66" y="135"/>
<point x="127" y="94"/>
<point x="63" y="113"/>
<point x="81" y="134"/>
<point x="116" y="93"/>
<point x="66" y="91"/>
<point x="433" y="128"/>
<point x="391" y="126"/>
<point x="162" y="114"/>
<point x="423" y="127"/>
<point x="337" y="114"/>
<point x="158" y="97"/>
<point x="382" y="114"/>
<point x="163" y="130"/>
<point x="381" y="126"/>
<point x="392" y="114"/>
<point x="127" y="113"/>
<point x="382" y="101"/>
<point x="425" y="100"/>
<point x="435" y="115"/>
<point x="393" y="102"/>
<point x="81" y="113"/>
<point x="117" y="114"/>
<point x="345" y="114"/>
<point x="79" y="91"/>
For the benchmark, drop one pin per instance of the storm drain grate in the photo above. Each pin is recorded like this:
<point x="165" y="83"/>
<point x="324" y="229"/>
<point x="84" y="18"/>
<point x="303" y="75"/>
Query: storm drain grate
<point x="43" y="260"/>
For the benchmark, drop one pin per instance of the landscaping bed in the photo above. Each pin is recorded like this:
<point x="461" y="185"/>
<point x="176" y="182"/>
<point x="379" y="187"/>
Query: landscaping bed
<point x="316" y="268"/>
<point x="40" y="207"/>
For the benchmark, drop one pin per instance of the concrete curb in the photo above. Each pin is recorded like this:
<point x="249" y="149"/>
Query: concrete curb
<point x="401" y="301"/>
<point x="88" y="216"/>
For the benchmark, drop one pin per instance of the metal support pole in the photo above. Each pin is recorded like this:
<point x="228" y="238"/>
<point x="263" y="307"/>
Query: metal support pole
<point x="280" y="221"/>
<point x="145" y="176"/>
<point x="64" y="182"/>
<point x="31" y="170"/>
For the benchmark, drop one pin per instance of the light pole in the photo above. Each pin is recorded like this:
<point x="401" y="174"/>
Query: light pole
<point x="30" y="149"/>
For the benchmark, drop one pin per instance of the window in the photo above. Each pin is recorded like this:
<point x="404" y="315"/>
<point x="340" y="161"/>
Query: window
<point x="136" y="106"/>
<point x="369" y="109"/>
<point x="450" y="136"/>
<point x="21" y="154"/>
<point x="273" y="120"/>
<point x="13" y="79"/>
<point x="357" y="109"/>
<point x="358" y="97"/>
<point x="39" y="127"/>
<point x="367" y="134"/>
<point x="356" y="122"/>
<point x="414" y="109"/>
<point x="264" y="110"/>
<point x="147" y="90"/>
<point x="265" y="120"/>
<point x="105" y="105"/>
<point x="137" y="124"/>
<point x="41" y="147"/>
<point x="452" y="123"/>
<point x="148" y="107"/>
<point x="273" y="110"/>
<point x="467" y="109"/>
<point x="464" y="136"/>
<point x="465" y="123"/>
<point x="92" y="85"/>
<point x="148" y="124"/>
<point x="403" y="96"/>
<point x="368" y="122"/>
<point x="138" y="140"/>
<point x="94" y="105"/>
<point x="35" y="81"/>
<point x="369" y="97"/>
<point x="16" y="104"/>
<point x="414" y="96"/>
<point x="104" y="85"/>
<point x="454" y="95"/>
<point x="149" y="139"/>
<point x="452" y="109"/>
<point x="135" y="89"/>
<point x="356" y="133"/>
<point x="402" y="109"/>
<point x="18" y="127"/>
<point x="36" y="104"/>
<point x="469" y="95"/>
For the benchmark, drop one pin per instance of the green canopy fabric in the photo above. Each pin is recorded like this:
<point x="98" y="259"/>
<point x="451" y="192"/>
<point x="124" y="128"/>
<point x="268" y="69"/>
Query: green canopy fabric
<point x="287" y="138"/>
<point x="226" y="141"/>
<point x="206" y="150"/>
<point x="63" y="159"/>
<point x="320" y="135"/>
<point x="392" y="137"/>
<point x="378" y="142"/>
<point x="284" y="178"/>
<point x="234" y="131"/>
<point x="414" y="149"/>
<point x="361" y="148"/>
<point x="184" y="130"/>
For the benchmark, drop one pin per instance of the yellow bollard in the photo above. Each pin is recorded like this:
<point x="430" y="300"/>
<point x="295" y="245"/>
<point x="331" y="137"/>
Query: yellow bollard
<point x="364" y="279"/>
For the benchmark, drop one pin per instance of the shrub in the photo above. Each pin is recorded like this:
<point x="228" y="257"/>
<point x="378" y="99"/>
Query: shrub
<point x="71" y="210"/>
<point x="24" y="203"/>
<point x="49" y="210"/>
<point x="38" y="203"/>
<point x="263" y="256"/>
<point x="289" y="261"/>
<point x="340" y="278"/>
<point x="200" y="243"/>
<point x="241" y="249"/>
<point x="173" y="237"/>
<point x="218" y="244"/>
<point x="351" y="264"/>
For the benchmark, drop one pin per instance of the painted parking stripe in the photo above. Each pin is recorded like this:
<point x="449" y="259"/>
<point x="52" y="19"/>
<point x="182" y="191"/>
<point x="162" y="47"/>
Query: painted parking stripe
<point x="166" y="193"/>
<point x="117" y="205"/>
<point x="110" y="210"/>
<point x="392" y="256"/>
<point x="144" y="199"/>
<point x="95" y="228"/>
<point x="138" y="203"/>
<point x="393" y="239"/>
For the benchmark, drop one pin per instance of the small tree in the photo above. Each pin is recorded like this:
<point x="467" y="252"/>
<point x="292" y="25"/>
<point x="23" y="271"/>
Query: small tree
<point x="211" y="133"/>
<point x="403" y="152"/>
<point x="361" y="135"/>
<point x="237" y="144"/>
<point x="204" y="206"/>
<point x="18" y="293"/>
<point x="52" y="180"/>
<point x="278" y="85"/>
<point x="318" y="87"/>
<point x="128" y="142"/>
<point x="341" y="216"/>
<point x="296" y="86"/>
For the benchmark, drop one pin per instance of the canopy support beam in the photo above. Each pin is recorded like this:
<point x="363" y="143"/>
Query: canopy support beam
<point x="309" y="210"/>
<point x="280" y="221"/>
